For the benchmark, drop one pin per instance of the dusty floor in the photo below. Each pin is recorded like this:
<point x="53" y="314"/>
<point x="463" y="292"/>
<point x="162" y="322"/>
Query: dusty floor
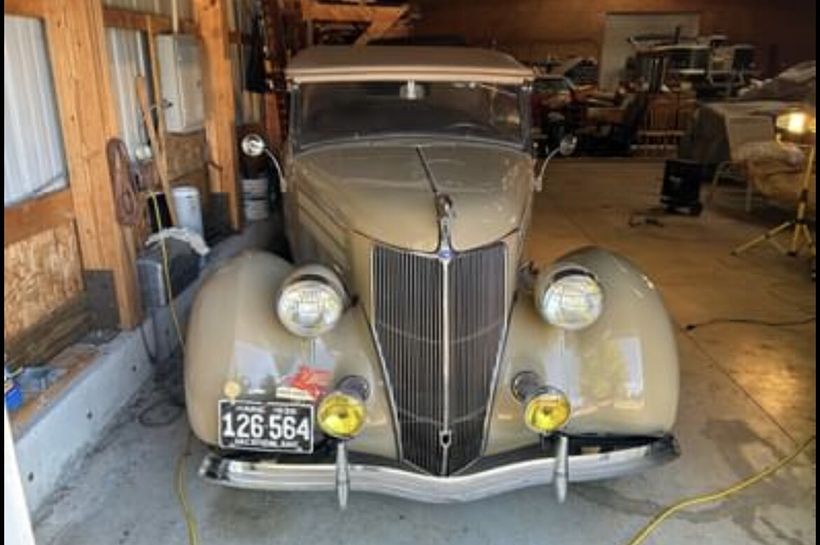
<point x="748" y="396"/>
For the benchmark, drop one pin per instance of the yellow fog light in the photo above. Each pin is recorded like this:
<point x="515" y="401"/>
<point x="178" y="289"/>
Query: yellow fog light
<point x="547" y="411"/>
<point x="341" y="415"/>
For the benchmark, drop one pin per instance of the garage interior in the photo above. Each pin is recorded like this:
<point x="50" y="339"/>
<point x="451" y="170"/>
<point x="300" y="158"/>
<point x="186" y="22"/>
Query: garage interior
<point x="694" y="125"/>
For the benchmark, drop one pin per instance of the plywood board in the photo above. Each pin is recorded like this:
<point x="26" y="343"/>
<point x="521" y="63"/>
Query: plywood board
<point x="185" y="153"/>
<point x="40" y="274"/>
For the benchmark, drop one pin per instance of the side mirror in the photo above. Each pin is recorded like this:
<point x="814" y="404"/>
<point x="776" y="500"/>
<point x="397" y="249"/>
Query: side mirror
<point x="568" y="145"/>
<point x="565" y="147"/>
<point x="253" y="145"/>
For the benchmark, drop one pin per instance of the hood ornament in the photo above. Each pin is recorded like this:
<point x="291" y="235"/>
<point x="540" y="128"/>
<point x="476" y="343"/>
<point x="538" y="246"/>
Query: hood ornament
<point x="446" y="214"/>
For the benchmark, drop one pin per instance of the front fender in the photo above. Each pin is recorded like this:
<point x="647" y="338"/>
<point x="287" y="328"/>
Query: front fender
<point x="620" y="374"/>
<point x="234" y="334"/>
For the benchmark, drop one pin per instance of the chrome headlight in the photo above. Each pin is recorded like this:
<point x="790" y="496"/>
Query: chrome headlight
<point x="311" y="301"/>
<point x="570" y="298"/>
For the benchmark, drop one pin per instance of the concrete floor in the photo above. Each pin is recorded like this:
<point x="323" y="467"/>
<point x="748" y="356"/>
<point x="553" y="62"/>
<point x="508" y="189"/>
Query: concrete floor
<point x="748" y="395"/>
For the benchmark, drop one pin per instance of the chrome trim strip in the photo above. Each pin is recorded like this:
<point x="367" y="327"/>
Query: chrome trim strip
<point x="427" y="488"/>
<point x="445" y="361"/>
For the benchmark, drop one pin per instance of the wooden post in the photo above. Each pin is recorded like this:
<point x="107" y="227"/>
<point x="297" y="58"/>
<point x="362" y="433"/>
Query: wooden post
<point x="274" y="119"/>
<point x="77" y="48"/>
<point x="220" y="122"/>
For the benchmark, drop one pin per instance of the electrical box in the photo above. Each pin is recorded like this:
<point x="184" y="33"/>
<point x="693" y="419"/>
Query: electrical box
<point x="180" y="68"/>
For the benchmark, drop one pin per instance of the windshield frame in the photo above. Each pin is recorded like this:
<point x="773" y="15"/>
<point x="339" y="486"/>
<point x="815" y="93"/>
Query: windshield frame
<point x="524" y="144"/>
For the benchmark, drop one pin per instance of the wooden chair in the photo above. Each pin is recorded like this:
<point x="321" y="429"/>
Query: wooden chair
<point x="666" y="119"/>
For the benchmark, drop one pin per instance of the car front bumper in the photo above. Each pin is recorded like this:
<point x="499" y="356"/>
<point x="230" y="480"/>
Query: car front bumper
<point x="275" y="476"/>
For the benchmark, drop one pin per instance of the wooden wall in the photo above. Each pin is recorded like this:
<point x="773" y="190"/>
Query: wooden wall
<point x="53" y="243"/>
<point x="57" y="246"/>
<point x="40" y="274"/>
<point x="784" y="32"/>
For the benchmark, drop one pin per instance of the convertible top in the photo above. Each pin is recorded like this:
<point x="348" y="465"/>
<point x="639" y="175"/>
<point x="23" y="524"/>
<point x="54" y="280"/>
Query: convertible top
<point x="423" y="63"/>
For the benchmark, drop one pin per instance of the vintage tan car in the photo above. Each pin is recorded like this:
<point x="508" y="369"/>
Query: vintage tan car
<point x="408" y="349"/>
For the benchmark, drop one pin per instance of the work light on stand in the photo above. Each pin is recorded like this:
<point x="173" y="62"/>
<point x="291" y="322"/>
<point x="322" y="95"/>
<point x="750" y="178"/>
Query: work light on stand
<point x="802" y="126"/>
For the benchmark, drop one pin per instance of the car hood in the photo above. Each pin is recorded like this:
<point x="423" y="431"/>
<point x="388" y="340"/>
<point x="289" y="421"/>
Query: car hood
<point x="387" y="192"/>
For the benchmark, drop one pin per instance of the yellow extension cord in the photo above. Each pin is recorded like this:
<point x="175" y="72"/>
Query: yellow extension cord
<point x="644" y="533"/>
<point x="187" y="512"/>
<point x="166" y="267"/>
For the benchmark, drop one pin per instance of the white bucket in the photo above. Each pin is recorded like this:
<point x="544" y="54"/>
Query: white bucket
<point x="189" y="208"/>
<point x="255" y="198"/>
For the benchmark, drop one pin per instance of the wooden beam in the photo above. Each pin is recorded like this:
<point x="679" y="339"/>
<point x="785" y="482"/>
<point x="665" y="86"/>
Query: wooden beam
<point x="33" y="216"/>
<point x="25" y="8"/>
<point x="48" y="337"/>
<point x="274" y="121"/>
<point x="211" y="17"/>
<point x="381" y="24"/>
<point x="317" y="11"/>
<point x="156" y="88"/>
<point x="151" y="23"/>
<point x="157" y="149"/>
<point x="78" y="53"/>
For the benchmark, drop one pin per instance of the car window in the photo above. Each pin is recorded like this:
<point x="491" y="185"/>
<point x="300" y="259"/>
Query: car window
<point x="358" y="110"/>
<point x="550" y="85"/>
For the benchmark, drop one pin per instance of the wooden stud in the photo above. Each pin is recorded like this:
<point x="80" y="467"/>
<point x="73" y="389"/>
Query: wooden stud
<point x="26" y="8"/>
<point x="156" y="84"/>
<point x="156" y="149"/>
<point x="211" y="17"/>
<point x="78" y="53"/>
<point x="151" y="23"/>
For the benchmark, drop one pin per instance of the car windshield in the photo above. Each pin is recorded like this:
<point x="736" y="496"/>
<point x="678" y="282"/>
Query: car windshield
<point x="361" y="110"/>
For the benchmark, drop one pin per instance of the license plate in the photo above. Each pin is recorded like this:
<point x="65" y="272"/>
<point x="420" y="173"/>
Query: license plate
<point x="270" y="426"/>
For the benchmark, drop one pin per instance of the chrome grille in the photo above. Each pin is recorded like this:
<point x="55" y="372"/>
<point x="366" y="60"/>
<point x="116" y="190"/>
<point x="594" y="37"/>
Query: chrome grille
<point x="439" y="325"/>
